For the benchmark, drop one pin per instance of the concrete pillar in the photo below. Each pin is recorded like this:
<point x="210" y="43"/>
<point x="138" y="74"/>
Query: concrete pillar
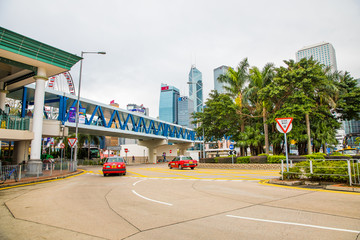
<point x="34" y="163"/>
<point x="183" y="147"/>
<point x="152" y="146"/>
<point x="21" y="151"/>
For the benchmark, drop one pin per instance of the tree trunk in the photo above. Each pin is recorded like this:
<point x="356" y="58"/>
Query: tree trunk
<point x="266" y="132"/>
<point x="308" y="133"/>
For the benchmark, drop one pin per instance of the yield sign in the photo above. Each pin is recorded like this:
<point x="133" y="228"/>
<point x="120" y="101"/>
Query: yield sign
<point x="72" y="141"/>
<point x="284" y="124"/>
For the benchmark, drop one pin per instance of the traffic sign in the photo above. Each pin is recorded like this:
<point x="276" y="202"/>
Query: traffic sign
<point x="284" y="125"/>
<point x="126" y="150"/>
<point x="62" y="145"/>
<point x="231" y="146"/>
<point x="170" y="151"/>
<point x="72" y="141"/>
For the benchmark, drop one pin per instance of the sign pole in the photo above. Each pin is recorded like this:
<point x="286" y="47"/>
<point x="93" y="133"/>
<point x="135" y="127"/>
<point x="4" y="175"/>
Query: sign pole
<point x="286" y="152"/>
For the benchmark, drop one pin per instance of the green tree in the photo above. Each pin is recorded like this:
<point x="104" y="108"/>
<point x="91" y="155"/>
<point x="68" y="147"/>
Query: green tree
<point x="259" y="80"/>
<point x="219" y="118"/>
<point x="87" y="140"/>
<point x="235" y="84"/>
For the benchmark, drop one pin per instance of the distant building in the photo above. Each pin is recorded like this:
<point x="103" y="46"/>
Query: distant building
<point x="323" y="52"/>
<point x="218" y="86"/>
<point x="168" y="107"/>
<point x="196" y="88"/>
<point x="186" y="108"/>
<point x="138" y="108"/>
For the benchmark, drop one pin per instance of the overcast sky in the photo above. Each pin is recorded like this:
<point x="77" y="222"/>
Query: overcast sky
<point x="153" y="42"/>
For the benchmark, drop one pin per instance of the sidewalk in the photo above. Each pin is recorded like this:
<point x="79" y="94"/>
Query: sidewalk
<point x="56" y="174"/>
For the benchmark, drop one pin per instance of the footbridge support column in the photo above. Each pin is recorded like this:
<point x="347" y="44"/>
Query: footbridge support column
<point x="183" y="147"/>
<point x="152" y="145"/>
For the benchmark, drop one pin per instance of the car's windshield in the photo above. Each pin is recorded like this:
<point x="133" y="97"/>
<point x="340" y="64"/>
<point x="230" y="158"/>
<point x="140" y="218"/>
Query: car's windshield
<point x="115" y="160"/>
<point x="186" y="158"/>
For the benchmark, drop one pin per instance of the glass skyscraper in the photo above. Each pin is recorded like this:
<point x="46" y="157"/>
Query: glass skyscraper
<point x="218" y="86"/>
<point x="323" y="52"/>
<point x="196" y="88"/>
<point x="186" y="108"/>
<point x="168" y="107"/>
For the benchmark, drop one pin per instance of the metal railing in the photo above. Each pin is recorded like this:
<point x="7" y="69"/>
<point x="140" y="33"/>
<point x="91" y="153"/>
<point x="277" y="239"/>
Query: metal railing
<point x="337" y="170"/>
<point x="14" y="122"/>
<point x="49" y="169"/>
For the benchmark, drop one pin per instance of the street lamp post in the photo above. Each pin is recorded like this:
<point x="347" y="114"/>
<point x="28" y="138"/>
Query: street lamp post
<point x="78" y="103"/>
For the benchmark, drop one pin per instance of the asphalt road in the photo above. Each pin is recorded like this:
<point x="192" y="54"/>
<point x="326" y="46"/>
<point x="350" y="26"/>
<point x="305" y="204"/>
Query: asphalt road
<point x="154" y="202"/>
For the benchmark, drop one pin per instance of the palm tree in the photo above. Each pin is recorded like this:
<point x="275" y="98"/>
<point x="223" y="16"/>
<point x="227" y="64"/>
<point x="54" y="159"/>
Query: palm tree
<point x="88" y="139"/>
<point x="259" y="80"/>
<point x="235" y="83"/>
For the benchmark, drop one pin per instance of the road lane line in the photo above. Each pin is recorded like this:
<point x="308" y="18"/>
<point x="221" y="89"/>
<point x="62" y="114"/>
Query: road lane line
<point x="138" y="182"/>
<point x="296" y="224"/>
<point x="169" y="204"/>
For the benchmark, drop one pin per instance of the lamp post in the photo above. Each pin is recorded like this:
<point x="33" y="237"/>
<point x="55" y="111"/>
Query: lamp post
<point x="78" y="102"/>
<point x="202" y="109"/>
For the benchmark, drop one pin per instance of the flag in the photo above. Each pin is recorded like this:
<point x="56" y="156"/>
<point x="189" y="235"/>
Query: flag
<point x="112" y="102"/>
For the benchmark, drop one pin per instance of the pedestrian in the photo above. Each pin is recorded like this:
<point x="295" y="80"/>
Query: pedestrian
<point x="133" y="159"/>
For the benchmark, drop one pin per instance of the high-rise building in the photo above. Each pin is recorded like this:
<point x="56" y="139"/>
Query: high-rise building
<point x="196" y="88"/>
<point x="218" y="86"/>
<point x="168" y="107"/>
<point x="323" y="52"/>
<point x="186" y="108"/>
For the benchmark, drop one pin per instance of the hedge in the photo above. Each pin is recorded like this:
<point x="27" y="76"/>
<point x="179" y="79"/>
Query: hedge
<point x="245" y="159"/>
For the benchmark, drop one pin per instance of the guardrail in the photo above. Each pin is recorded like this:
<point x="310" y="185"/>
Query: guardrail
<point x="14" y="122"/>
<point x="16" y="173"/>
<point x="341" y="170"/>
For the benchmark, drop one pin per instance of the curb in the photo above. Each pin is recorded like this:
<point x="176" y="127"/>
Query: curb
<point x="14" y="184"/>
<point x="307" y="185"/>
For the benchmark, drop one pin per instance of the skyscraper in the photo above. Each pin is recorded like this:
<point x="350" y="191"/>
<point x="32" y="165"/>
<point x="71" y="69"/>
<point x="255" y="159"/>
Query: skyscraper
<point x="186" y="108"/>
<point x="196" y="88"/>
<point x="168" y="107"/>
<point x="323" y="52"/>
<point x="218" y="86"/>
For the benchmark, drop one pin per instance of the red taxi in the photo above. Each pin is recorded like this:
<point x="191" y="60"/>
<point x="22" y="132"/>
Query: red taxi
<point x="183" y="162"/>
<point x="114" y="165"/>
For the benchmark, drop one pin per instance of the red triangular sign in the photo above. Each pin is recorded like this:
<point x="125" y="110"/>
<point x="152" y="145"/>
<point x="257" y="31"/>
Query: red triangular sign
<point x="72" y="141"/>
<point x="284" y="123"/>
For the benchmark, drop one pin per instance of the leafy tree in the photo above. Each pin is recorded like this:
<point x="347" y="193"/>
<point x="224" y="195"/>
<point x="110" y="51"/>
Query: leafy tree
<point x="87" y="139"/>
<point x="219" y="118"/>
<point x="236" y="81"/>
<point x="259" y="80"/>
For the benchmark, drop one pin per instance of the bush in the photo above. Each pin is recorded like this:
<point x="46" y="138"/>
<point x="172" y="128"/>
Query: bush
<point x="207" y="160"/>
<point x="258" y="159"/>
<point x="225" y="159"/>
<point x="316" y="156"/>
<point x="275" y="158"/>
<point x="245" y="159"/>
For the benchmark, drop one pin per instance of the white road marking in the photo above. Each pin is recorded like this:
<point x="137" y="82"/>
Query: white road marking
<point x="296" y="224"/>
<point x="137" y="182"/>
<point x="169" y="204"/>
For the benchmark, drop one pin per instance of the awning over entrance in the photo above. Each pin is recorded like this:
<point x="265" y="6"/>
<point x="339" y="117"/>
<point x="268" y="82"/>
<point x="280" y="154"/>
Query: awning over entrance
<point x="21" y="56"/>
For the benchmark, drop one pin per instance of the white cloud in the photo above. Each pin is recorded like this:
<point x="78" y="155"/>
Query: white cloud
<point x="154" y="42"/>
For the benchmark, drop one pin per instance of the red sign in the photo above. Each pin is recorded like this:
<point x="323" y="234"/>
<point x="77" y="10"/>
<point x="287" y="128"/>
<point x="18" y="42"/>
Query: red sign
<point x="170" y="151"/>
<point x="126" y="150"/>
<point x="62" y="145"/>
<point x="72" y="141"/>
<point x="284" y="124"/>
<point x="165" y="88"/>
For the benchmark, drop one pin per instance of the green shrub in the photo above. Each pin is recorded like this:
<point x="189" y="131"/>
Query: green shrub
<point x="275" y="158"/>
<point x="245" y="159"/>
<point x="315" y="156"/>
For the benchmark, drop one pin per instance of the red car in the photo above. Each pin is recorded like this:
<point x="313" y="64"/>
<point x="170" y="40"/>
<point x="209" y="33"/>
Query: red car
<point x="114" y="165"/>
<point x="183" y="162"/>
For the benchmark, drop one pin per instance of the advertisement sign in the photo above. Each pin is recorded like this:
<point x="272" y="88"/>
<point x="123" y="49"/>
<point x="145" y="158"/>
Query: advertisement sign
<point x="72" y="114"/>
<point x="165" y="88"/>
